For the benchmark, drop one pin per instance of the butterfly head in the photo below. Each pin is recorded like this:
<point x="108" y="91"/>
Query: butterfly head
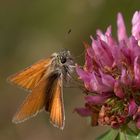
<point x="63" y="58"/>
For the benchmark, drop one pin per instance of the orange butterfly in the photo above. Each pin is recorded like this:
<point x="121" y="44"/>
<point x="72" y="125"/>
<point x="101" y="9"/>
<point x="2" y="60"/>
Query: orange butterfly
<point x="45" y="81"/>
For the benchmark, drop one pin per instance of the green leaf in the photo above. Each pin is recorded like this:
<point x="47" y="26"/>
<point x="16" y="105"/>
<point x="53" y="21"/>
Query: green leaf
<point x="127" y="134"/>
<point x="138" y="136"/>
<point x="120" y="136"/>
<point x="131" y="135"/>
<point x="133" y="127"/>
<point x="109" y="135"/>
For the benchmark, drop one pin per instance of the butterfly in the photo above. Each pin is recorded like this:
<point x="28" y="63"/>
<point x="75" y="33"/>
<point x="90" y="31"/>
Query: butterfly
<point x="44" y="80"/>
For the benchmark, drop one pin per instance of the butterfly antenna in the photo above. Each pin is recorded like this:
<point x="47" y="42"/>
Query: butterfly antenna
<point x="67" y="33"/>
<point x="86" y="45"/>
<point x="83" y="53"/>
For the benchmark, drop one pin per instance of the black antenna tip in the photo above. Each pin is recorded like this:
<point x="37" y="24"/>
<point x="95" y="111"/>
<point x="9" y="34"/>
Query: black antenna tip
<point x="69" y="31"/>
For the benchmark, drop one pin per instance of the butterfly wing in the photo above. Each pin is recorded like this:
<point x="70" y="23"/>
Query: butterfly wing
<point x="48" y="91"/>
<point x="33" y="103"/>
<point x="56" y="106"/>
<point x="30" y="77"/>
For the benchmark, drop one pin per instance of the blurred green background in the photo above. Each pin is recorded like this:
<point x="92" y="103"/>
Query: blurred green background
<point x="31" y="30"/>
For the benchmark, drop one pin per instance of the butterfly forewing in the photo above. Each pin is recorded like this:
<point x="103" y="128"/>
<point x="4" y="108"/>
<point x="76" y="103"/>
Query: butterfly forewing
<point x="31" y="76"/>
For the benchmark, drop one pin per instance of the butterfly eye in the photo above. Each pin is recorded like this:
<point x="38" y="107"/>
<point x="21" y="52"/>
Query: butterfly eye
<point x="63" y="59"/>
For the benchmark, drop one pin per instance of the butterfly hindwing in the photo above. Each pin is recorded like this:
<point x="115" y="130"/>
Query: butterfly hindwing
<point x="56" y="106"/>
<point x="33" y="103"/>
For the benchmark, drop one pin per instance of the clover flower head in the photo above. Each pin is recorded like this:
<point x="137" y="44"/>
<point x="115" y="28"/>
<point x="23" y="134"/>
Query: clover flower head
<point x="111" y="76"/>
